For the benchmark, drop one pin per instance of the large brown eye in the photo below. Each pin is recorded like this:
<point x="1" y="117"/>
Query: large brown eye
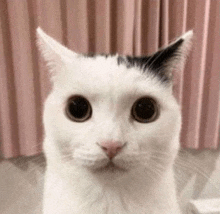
<point x="78" y="109"/>
<point x="145" y="110"/>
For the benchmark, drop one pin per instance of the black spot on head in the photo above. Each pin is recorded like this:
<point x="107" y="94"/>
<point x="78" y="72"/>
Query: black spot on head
<point x="122" y="60"/>
<point x="91" y="55"/>
<point x="94" y="55"/>
<point x="155" y="63"/>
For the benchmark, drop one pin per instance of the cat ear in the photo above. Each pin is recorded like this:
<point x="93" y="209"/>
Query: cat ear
<point x="166" y="60"/>
<point x="172" y="57"/>
<point x="53" y="52"/>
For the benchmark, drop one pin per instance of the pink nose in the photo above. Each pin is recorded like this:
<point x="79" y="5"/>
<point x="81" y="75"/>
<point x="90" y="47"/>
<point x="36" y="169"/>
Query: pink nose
<point x="111" y="148"/>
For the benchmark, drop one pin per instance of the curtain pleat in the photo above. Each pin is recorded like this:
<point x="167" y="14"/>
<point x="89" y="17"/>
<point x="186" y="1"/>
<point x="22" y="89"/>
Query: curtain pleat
<point x="134" y="27"/>
<point x="150" y="22"/>
<point x="177" y="26"/>
<point x="209" y="135"/>
<point x="8" y="112"/>
<point x="77" y="25"/>
<point x="194" y="81"/>
<point x="164" y="23"/>
<point x="102" y="30"/>
<point x="137" y="37"/>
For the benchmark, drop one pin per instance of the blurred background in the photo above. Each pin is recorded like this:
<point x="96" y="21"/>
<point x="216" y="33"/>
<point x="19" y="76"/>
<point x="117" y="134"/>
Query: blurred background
<point x="127" y="27"/>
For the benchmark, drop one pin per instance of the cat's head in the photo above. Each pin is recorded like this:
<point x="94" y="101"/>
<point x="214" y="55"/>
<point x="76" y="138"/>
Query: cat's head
<point x="117" y="108"/>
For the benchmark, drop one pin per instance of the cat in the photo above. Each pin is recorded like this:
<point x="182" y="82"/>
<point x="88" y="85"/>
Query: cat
<point x="112" y="129"/>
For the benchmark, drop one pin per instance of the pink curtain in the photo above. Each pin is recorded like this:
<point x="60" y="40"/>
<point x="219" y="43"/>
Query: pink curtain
<point x="134" y="27"/>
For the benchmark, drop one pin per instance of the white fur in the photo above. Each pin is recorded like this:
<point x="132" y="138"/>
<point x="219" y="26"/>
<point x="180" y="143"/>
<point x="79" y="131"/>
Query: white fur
<point x="71" y="184"/>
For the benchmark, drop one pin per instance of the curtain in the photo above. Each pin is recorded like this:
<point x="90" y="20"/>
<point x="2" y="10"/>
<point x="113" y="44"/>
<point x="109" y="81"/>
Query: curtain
<point x="131" y="27"/>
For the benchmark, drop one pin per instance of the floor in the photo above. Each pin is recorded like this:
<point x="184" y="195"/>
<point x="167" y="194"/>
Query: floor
<point x="21" y="182"/>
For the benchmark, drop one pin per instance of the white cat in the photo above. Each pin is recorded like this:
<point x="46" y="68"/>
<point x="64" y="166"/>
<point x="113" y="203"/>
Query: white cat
<point x="112" y="131"/>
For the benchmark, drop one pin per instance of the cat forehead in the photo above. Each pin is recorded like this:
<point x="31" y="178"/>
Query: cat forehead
<point x="104" y="74"/>
<point x="69" y="69"/>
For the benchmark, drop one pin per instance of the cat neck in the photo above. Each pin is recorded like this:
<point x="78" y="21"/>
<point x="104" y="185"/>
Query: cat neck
<point x="132" y="193"/>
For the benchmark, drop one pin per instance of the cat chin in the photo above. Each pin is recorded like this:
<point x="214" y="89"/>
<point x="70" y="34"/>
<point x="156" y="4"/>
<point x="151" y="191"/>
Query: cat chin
<point x="111" y="167"/>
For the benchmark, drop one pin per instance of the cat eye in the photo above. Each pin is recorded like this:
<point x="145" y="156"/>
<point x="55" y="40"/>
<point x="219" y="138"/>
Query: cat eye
<point x="78" y="109"/>
<point x="145" y="110"/>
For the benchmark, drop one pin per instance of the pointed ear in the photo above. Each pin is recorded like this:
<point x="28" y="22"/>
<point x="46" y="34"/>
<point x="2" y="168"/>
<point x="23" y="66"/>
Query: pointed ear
<point x="53" y="52"/>
<point x="172" y="57"/>
<point x="166" y="60"/>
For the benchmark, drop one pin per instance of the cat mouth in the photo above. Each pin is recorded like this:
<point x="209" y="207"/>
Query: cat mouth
<point x="111" y="167"/>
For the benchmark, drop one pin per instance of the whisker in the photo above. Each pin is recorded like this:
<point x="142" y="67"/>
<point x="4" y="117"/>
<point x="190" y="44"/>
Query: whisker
<point x="161" y="152"/>
<point x="155" y="171"/>
<point x="159" y="157"/>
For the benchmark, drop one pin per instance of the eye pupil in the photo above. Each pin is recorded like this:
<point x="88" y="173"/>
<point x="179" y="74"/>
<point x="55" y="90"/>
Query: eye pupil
<point x="78" y="109"/>
<point x="145" y="110"/>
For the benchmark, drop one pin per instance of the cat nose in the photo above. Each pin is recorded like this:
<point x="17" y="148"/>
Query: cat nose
<point x="111" y="148"/>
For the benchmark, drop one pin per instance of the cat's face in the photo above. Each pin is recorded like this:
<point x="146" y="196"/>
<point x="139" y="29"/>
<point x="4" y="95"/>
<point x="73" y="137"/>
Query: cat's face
<point x="101" y="99"/>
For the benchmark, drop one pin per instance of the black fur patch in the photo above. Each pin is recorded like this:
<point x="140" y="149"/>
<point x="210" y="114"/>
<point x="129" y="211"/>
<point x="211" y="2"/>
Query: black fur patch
<point x="155" y="63"/>
<point x="94" y="55"/>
